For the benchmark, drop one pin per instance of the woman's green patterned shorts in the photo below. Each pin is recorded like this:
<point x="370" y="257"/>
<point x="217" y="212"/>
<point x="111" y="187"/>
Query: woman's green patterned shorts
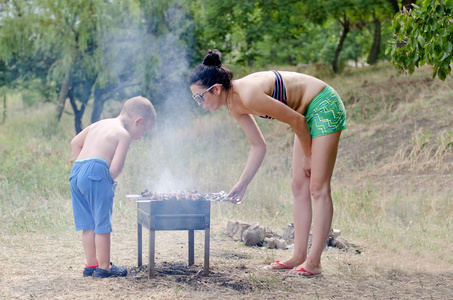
<point x="325" y="114"/>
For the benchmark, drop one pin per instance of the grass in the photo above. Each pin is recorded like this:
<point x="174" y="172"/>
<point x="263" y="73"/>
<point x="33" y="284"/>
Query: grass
<point x="391" y="186"/>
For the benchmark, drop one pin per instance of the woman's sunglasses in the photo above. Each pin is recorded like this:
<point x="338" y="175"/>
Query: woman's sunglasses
<point x="199" y="97"/>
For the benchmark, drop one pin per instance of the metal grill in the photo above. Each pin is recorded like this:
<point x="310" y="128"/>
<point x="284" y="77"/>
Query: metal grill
<point x="187" y="215"/>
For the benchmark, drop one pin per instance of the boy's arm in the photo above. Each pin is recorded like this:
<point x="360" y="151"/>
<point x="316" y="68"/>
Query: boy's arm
<point x="78" y="141"/>
<point x="116" y="167"/>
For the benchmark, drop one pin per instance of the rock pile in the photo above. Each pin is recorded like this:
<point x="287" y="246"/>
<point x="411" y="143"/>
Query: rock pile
<point x="256" y="235"/>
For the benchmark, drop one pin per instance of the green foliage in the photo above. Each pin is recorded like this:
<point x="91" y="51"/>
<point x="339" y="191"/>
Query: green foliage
<point x="353" y="16"/>
<point x="106" y="50"/>
<point x="423" y="35"/>
<point x="111" y="50"/>
<point x="251" y="32"/>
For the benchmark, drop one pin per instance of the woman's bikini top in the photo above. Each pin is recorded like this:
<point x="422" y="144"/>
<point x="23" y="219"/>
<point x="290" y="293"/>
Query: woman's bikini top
<point x="279" y="91"/>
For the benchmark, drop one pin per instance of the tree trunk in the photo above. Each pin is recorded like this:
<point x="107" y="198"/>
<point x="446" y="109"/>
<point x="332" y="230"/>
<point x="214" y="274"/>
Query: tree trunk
<point x="78" y="113"/>
<point x="344" y="33"/>
<point x="395" y="6"/>
<point x="102" y="95"/>
<point x="98" y="105"/>
<point x="374" y="53"/>
<point x="63" y="94"/>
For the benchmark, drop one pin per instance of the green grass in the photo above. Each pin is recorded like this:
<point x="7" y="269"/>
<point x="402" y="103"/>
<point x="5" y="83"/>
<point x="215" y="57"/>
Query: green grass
<point x="33" y="172"/>
<point x="391" y="186"/>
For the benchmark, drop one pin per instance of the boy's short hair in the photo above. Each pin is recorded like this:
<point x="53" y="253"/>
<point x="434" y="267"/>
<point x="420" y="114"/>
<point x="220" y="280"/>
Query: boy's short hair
<point x="139" y="107"/>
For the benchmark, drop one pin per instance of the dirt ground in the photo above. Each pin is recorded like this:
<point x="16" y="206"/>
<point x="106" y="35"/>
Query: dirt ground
<point x="49" y="265"/>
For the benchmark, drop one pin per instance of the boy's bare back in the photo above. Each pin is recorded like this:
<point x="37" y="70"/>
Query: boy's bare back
<point x="106" y="139"/>
<point x="101" y="139"/>
<point x="110" y="139"/>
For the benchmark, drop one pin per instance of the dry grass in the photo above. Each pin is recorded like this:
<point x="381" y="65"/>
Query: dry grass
<point x="47" y="265"/>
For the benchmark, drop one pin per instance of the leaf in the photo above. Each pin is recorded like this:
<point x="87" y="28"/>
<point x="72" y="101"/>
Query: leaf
<point x="421" y="41"/>
<point x="421" y="62"/>
<point x="411" y="68"/>
<point x="441" y="74"/>
<point x="390" y="50"/>
<point x="440" y="9"/>
<point x="449" y="48"/>
<point x="444" y="56"/>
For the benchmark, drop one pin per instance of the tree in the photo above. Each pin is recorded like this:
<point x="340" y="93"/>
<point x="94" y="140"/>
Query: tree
<point x="72" y="30"/>
<point x="424" y="35"/>
<point x="228" y="25"/>
<point x="347" y="14"/>
<point x="374" y="14"/>
<point x="52" y="42"/>
<point x="96" y="49"/>
<point x="249" y="31"/>
<point x="21" y="63"/>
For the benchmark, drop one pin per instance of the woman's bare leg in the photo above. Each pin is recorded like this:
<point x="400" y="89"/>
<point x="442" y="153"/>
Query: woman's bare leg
<point x="324" y="154"/>
<point x="302" y="210"/>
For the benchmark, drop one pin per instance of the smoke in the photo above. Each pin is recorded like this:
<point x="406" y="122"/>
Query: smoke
<point x="167" y="183"/>
<point x="175" y="110"/>
<point x="156" y="65"/>
<point x="152" y="60"/>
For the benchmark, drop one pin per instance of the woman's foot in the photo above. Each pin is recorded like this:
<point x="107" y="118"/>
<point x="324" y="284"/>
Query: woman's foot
<point x="306" y="270"/>
<point x="282" y="265"/>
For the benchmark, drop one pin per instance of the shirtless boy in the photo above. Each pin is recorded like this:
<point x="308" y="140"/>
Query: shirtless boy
<point x="100" y="152"/>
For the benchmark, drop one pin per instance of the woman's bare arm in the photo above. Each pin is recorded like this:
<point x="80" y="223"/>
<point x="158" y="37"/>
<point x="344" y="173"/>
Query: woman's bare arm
<point x="255" y="157"/>
<point x="263" y="104"/>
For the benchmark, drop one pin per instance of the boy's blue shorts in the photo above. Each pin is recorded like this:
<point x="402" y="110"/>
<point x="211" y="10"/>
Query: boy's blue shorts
<point x="92" y="195"/>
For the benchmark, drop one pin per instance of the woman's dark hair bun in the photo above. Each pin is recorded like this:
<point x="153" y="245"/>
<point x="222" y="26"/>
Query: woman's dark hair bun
<point x="213" y="58"/>
<point x="211" y="72"/>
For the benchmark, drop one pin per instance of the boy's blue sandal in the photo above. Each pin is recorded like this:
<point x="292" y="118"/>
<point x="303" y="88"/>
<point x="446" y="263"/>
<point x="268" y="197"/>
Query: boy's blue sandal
<point x="88" y="271"/>
<point x="114" y="271"/>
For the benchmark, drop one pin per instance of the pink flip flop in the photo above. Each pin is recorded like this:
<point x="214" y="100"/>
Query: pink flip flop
<point x="301" y="271"/>
<point x="277" y="262"/>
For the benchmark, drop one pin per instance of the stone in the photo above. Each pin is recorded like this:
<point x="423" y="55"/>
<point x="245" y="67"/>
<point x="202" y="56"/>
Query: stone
<point x="335" y="233"/>
<point x="288" y="232"/>
<point x="268" y="232"/>
<point x="269" y="243"/>
<point x="280" y="244"/>
<point x="235" y="229"/>
<point x="253" y="236"/>
<point x="340" y="243"/>
<point x="230" y="227"/>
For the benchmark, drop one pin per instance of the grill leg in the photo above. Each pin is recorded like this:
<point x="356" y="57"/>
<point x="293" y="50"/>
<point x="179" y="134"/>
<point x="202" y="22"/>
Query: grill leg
<point x="152" y="236"/>
<point x="206" y="250"/>
<point x="139" y="248"/>
<point x="191" y="248"/>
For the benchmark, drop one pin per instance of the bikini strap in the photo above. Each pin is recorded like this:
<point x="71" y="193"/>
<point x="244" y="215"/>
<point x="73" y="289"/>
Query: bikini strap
<point x="279" y="90"/>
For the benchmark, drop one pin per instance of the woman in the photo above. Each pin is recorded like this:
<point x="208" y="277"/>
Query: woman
<point x="316" y="114"/>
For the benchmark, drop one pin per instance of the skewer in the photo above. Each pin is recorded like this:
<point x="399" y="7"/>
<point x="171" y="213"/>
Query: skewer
<point x="147" y="196"/>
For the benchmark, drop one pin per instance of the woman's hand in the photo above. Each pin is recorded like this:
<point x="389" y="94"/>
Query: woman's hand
<point x="306" y="166"/>
<point x="237" y="192"/>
